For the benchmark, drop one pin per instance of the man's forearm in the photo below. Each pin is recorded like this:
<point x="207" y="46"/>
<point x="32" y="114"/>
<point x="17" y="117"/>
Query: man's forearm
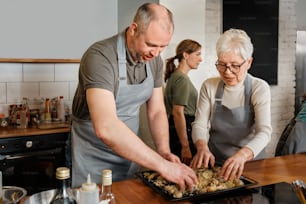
<point x="160" y="132"/>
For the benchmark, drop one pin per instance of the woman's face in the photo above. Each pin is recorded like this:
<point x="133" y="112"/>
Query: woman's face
<point x="193" y="59"/>
<point x="233" y="68"/>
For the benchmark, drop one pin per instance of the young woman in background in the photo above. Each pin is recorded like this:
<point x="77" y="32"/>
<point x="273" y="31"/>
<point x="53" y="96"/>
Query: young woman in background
<point x="181" y="97"/>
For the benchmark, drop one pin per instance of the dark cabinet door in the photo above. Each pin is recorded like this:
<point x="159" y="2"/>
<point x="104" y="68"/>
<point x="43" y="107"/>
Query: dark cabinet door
<point x="259" y="18"/>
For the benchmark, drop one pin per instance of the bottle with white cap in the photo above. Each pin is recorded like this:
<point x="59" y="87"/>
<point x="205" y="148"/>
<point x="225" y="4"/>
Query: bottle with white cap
<point x="61" y="109"/>
<point x="89" y="192"/>
<point x="107" y="196"/>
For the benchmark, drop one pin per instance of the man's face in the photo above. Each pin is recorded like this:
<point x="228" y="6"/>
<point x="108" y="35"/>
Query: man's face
<point x="149" y="44"/>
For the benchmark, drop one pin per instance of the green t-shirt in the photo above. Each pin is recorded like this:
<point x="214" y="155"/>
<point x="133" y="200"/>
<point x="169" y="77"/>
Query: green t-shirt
<point x="180" y="91"/>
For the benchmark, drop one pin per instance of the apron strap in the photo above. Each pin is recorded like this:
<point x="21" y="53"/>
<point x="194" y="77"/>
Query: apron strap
<point x="247" y="91"/>
<point x="121" y="57"/>
<point x="219" y="93"/>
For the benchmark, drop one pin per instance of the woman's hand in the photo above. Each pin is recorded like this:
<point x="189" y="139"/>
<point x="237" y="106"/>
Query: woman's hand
<point x="186" y="155"/>
<point x="233" y="166"/>
<point x="203" y="156"/>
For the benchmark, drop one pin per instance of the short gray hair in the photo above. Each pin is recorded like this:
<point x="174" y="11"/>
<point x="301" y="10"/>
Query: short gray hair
<point x="237" y="41"/>
<point x="153" y="11"/>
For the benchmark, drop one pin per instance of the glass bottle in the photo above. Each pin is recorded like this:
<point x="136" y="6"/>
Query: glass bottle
<point x="61" y="109"/>
<point x="63" y="193"/>
<point x="107" y="197"/>
<point x="25" y="104"/>
<point x="47" y="110"/>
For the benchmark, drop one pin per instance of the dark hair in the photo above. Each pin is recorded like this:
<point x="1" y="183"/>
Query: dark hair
<point x="186" y="46"/>
<point x="153" y="11"/>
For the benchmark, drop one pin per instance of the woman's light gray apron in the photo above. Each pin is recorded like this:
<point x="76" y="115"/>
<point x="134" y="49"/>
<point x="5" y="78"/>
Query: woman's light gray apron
<point x="90" y="154"/>
<point x="230" y="128"/>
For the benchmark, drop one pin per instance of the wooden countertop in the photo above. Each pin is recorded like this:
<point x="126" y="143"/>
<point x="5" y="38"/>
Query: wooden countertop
<point x="277" y="169"/>
<point x="267" y="171"/>
<point x="41" y="130"/>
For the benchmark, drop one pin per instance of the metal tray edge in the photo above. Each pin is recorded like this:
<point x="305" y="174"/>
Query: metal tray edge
<point x="195" y="197"/>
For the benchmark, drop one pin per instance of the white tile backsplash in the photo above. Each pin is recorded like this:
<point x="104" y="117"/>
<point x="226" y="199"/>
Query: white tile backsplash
<point x="38" y="72"/>
<point x="17" y="90"/>
<point x="54" y="89"/>
<point x="2" y="93"/>
<point x="10" y="72"/>
<point x="36" y="80"/>
<point x="66" y="72"/>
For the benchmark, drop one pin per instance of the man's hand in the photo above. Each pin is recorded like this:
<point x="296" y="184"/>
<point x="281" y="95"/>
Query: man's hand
<point x="171" y="157"/>
<point x="180" y="174"/>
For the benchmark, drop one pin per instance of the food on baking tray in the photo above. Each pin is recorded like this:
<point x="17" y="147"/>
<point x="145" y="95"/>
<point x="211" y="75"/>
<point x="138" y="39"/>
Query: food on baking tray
<point x="209" y="181"/>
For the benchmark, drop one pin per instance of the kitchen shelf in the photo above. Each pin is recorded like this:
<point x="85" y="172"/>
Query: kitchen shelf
<point x="30" y="60"/>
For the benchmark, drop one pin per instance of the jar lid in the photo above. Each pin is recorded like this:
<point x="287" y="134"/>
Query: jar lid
<point x="107" y="177"/>
<point x="62" y="173"/>
<point x="107" y="172"/>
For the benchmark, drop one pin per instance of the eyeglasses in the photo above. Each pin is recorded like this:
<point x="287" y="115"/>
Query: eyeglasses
<point x="234" y="68"/>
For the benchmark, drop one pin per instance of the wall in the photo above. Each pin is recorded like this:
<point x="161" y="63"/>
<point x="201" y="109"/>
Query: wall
<point x="300" y="11"/>
<point x="126" y="11"/>
<point x="54" y="29"/>
<point x="188" y="25"/>
<point x="51" y="79"/>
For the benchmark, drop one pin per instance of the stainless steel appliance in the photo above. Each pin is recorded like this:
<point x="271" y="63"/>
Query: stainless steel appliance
<point x="30" y="161"/>
<point x="300" y="66"/>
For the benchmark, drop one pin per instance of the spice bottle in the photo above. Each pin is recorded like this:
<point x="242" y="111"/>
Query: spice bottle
<point x="107" y="197"/>
<point x="47" y="110"/>
<point x="63" y="193"/>
<point x="61" y="109"/>
<point x="89" y="192"/>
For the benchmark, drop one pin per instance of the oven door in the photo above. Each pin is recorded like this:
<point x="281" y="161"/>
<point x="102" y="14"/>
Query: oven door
<point x="33" y="170"/>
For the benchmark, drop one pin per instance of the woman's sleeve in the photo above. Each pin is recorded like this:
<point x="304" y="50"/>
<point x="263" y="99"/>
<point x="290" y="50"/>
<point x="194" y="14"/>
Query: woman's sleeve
<point x="200" y="126"/>
<point x="261" y="99"/>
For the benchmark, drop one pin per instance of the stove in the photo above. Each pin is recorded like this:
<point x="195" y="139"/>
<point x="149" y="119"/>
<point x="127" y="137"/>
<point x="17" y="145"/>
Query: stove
<point x="30" y="162"/>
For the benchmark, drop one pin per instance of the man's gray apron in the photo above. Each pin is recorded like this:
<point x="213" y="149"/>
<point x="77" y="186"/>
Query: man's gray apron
<point x="89" y="154"/>
<point x="230" y="128"/>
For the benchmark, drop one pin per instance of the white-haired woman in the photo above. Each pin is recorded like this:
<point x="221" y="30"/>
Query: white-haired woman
<point x="232" y="122"/>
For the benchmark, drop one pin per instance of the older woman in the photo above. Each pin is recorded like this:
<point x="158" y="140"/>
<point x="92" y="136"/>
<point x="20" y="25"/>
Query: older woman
<point x="233" y="122"/>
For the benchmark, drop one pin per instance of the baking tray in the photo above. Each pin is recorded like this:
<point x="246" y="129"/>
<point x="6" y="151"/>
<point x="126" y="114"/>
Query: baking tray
<point x="196" y="197"/>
